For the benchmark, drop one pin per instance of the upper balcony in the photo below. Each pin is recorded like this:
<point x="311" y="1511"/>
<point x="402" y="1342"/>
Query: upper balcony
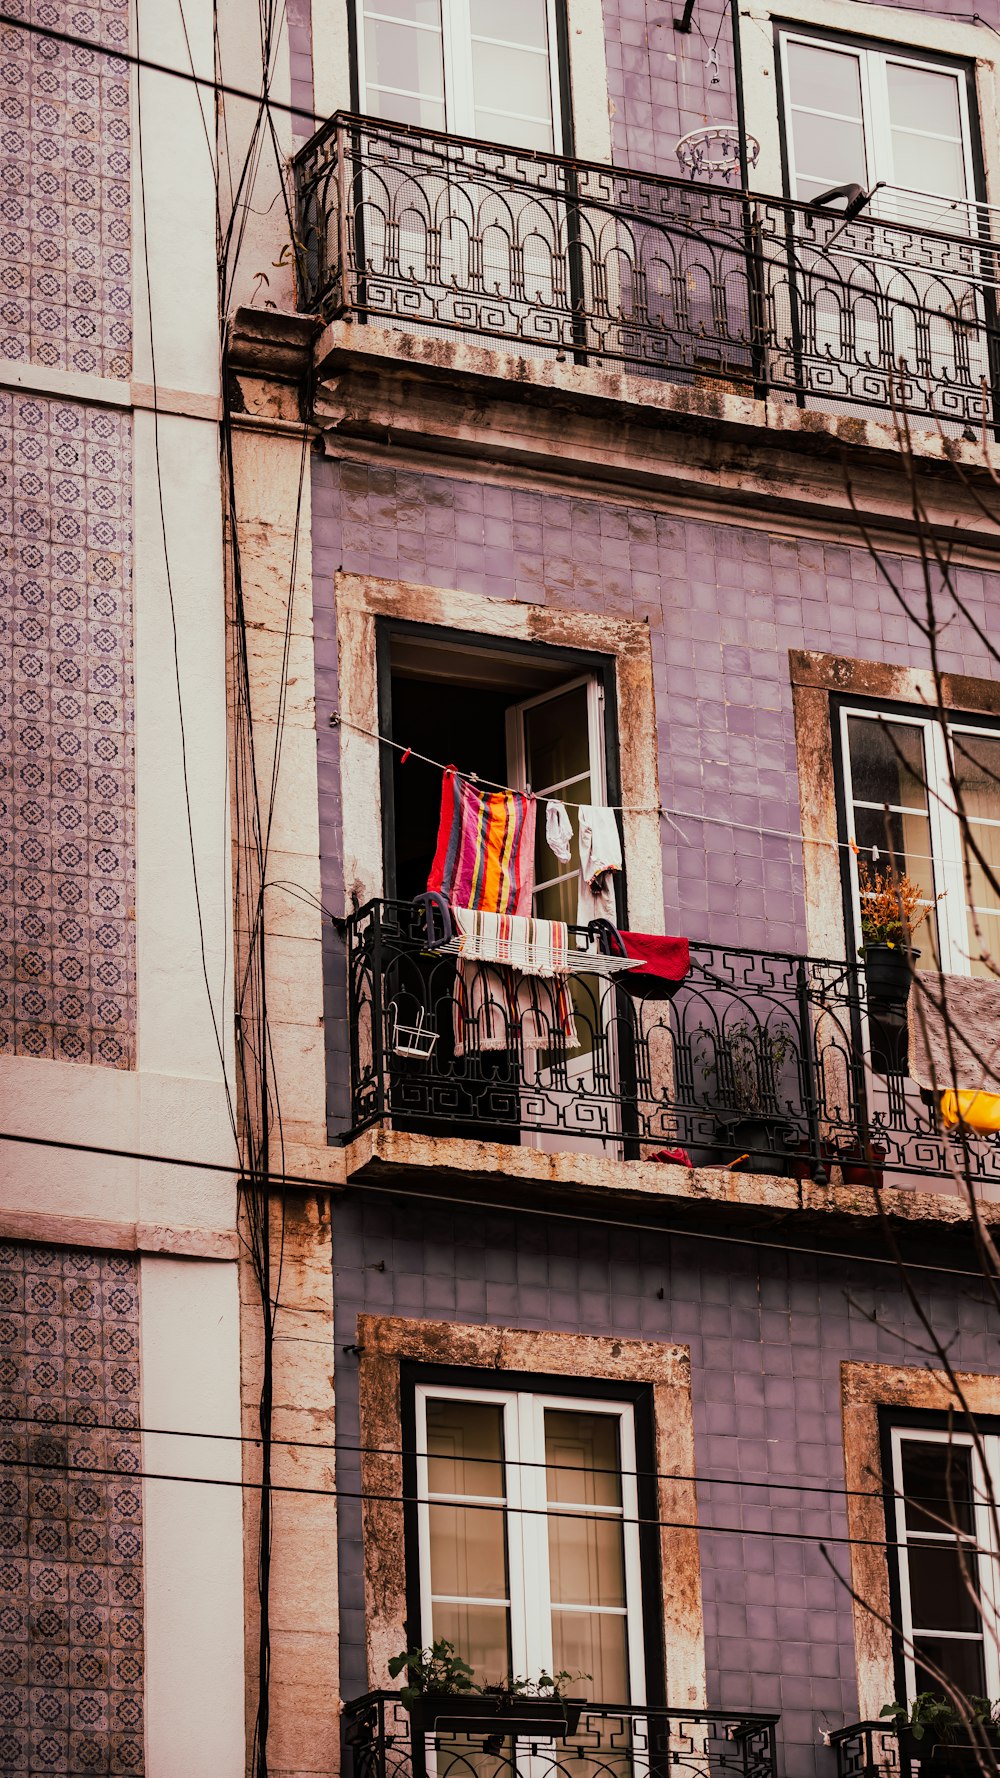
<point x="669" y="280"/>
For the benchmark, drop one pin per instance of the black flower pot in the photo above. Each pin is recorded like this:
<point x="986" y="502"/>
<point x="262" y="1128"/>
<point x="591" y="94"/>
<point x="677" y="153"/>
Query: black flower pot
<point x="761" y="1140"/>
<point x="493" y="1713"/>
<point x="889" y="973"/>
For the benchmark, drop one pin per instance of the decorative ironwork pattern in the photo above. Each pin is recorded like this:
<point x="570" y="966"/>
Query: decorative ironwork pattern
<point x="776" y="1062"/>
<point x="406" y="228"/>
<point x="610" y="1742"/>
<point x="869" y="1750"/>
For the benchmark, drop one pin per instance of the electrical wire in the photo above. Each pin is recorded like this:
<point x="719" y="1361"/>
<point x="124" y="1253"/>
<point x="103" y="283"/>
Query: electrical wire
<point x="455" y="1202"/>
<point x="700" y="1478"/>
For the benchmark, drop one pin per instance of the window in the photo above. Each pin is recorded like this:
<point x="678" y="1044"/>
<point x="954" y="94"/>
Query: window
<point x="467" y="66"/>
<point x="861" y="115"/>
<point x="528" y="1535"/>
<point x="899" y="802"/>
<point x="943" y="1529"/>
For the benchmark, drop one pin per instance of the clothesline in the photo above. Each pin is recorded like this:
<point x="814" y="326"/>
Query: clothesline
<point x="671" y="815"/>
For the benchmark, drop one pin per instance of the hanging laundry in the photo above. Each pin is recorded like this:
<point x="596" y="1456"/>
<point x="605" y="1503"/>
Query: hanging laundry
<point x="497" y="1007"/>
<point x="485" y="854"/>
<point x="534" y="947"/>
<point x="558" y="831"/>
<point x="600" y="858"/>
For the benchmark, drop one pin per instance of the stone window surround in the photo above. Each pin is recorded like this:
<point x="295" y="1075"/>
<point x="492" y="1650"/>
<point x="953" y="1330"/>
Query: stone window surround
<point x="815" y="679"/>
<point x="361" y="600"/>
<point x="386" y="1342"/>
<point x="865" y="1388"/>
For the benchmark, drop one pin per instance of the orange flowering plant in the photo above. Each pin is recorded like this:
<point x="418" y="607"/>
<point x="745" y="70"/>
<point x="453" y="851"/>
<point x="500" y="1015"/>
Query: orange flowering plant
<point x="893" y="907"/>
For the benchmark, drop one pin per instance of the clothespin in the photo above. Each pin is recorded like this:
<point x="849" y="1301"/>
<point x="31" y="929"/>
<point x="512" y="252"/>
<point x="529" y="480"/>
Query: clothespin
<point x="406" y="756"/>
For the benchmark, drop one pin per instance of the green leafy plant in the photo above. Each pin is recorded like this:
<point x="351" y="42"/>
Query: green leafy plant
<point x="937" y="1718"/>
<point x="434" y="1669"/>
<point x="546" y="1686"/>
<point x="745" y="1062"/>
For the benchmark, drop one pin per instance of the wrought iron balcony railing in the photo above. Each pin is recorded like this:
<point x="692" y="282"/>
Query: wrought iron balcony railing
<point x="608" y="1741"/>
<point x="664" y="278"/>
<point x="779" y="1063"/>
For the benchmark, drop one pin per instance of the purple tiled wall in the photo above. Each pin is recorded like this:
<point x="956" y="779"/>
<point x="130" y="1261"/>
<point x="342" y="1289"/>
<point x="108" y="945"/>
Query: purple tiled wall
<point x="71" y="1573"/>
<point x="67" y="892"/>
<point x="663" y="83"/>
<point x="724" y="604"/>
<point x="767" y="1334"/>
<point x="65" y="194"/>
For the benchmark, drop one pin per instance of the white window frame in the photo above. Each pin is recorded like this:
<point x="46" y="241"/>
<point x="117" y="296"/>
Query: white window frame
<point x="947" y="864"/>
<point x="456" y="45"/>
<point x="982" y="1542"/>
<point x="873" y="63"/>
<point x="597" y="769"/>
<point x="526" y="1508"/>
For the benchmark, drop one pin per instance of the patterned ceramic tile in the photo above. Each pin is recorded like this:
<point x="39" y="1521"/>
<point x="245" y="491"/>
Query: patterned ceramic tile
<point x="66" y="810"/>
<point x="65" y="229"/>
<point x="71" y="1598"/>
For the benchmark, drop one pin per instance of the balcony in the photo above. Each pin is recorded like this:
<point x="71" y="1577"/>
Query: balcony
<point x="772" y="1063"/>
<point x="542" y="256"/>
<point x="609" y="1742"/>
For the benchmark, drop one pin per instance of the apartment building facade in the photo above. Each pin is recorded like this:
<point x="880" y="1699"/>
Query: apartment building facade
<point x="606" y="413"/>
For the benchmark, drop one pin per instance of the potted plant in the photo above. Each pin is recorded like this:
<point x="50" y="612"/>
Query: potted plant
<point x="931" y="1731"/>
<point x="892" y="910"/>
<point x="745" y="1064"/>
<point x="442" y="1697"/>
<point x="862" y="1164"/>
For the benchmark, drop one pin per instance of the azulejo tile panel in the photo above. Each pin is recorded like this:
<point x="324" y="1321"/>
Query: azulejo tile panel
<point x="65" y="225"/>
<point x="67" y="964"/>
<point x="71" y="1586"/>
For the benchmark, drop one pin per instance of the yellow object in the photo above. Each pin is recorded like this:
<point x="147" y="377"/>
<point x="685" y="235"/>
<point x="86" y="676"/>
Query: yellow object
<point x="977" y="1111"/>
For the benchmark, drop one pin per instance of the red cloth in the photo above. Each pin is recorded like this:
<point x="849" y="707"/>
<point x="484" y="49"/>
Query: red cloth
<point x="679" y="1156"/>
<point x="668" y="959"/>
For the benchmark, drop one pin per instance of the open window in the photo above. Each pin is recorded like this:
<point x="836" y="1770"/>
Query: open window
<point x="528" y="1556"/>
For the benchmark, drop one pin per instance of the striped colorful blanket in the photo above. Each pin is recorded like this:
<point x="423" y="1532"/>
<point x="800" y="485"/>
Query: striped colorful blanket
<point x="485" y="855"/>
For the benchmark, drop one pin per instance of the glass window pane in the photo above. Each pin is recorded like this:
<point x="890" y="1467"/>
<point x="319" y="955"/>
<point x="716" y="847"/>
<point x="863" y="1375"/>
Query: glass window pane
<point x="513" y="132"/>
<point x="937" y="1485"/>
<point x="828" y="148"/>
<point x="586" y="1560"/>
<point x="414" y="12"/>
<point x="501" y="75"/>
<point x="481" y="1636"/>
<point x="887" y="762"/>
<point x="398" y="56"/>
<point x="989" y="927"/>
<point x="984" y="870"/>
<point x="590" y="1643"/>
<point x="517" y="21"/>
<point x="465" y="1448"/>
<point x="426" y="114"/>
<point x="583" y="1458"/>
<point x="977" y="769"/>
<point x="939" y="1589"/>
<point x="468" y="1551"/>
<point x="922" y="163"/>
<point x="960" y="1662"/>
<point x="826" y="79"/>
<point x="923" y="99"/>
<point x="557" y="741"/>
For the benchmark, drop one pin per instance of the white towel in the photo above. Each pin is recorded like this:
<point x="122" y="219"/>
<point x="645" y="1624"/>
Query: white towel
<point x="558" y="831"/>
<point x="600" y="857"/>
<point x="498" y="1007"/>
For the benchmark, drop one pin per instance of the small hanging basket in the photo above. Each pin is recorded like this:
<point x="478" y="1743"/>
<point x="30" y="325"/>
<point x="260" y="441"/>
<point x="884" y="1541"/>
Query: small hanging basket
<point x="713" y="152"/>
<point x="410" y="1040"/>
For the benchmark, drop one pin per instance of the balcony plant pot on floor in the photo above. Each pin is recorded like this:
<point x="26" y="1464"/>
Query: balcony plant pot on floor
<point x="745" y="1062"/>
<point x="944" y="1759"/>
<point x="933" y="1737"/>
